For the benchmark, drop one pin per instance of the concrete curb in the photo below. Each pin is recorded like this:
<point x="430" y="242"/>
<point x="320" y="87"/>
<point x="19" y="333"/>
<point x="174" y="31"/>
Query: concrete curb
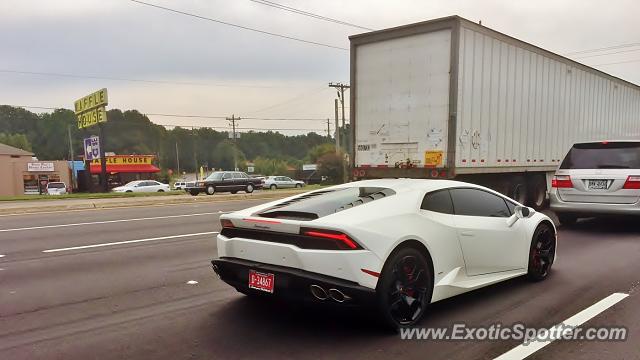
<point x="36" y="206"/>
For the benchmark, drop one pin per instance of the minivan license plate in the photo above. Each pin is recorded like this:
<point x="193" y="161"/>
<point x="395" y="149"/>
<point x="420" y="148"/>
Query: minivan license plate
<point x="597" y="184"/>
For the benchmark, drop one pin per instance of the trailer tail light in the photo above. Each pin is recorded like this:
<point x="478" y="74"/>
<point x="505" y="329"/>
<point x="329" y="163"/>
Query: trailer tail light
<point x="226" y="223"/>
<point x="342" y="240"/>
<point x="633" y="182"/>
<point x="561" y="181"/>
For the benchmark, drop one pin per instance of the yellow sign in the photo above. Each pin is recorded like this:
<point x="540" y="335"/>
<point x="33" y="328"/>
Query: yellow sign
<point x="92" y="117"/>
<point x="92" y="101"/>
<point x="433" y="158"/>
<point x="127" y="160"/>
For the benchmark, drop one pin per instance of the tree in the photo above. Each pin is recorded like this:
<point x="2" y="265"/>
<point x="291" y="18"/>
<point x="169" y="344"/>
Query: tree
<point x="330" y="165"/>
<point x="270" y="166"/>
<point x="19" y="141"/>
<point x="319" y="151"/>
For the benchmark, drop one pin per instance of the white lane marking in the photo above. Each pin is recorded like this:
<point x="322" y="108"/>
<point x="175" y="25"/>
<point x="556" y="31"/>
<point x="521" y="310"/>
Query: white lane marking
<point x="1" y="256"/>
<point x="522" y="351"/>
<point x="128" y="242"/>
<point x="192" y="282"/>
<point x="106" y="222"/>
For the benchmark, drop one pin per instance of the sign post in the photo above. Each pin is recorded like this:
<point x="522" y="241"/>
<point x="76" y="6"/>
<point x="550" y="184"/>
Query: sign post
<point x="91" y="111"/>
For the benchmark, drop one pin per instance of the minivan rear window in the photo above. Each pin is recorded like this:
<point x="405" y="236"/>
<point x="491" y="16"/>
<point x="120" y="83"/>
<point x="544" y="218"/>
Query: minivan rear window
<point x="603" y="155"/>
<point x="317" y="204"/>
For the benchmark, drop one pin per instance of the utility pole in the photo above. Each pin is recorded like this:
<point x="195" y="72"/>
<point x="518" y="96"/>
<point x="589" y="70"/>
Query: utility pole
<point x="178" y="158"/>
<point x="233" y="120"/>
<point x="73" y="164"/>
<point x="335" y="103"/>
<point x="195" y="159"/>
<point x="328" y="129"/>
<point x="340" y="87"/>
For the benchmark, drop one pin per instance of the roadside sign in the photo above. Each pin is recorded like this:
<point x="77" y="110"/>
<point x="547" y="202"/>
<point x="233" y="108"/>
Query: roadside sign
<point x="92" y="148"/>
<point x="92" y="101"/>
<point x="92" y="117"/>
<point x="250" y="169"/>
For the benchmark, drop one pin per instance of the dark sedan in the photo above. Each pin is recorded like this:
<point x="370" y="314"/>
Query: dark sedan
<point x="224" y="181"/>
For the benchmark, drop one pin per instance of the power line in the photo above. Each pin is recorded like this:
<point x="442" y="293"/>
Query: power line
<point x="619" y="62"/>
<point x="603" y="49"/>
<point x="125" y="79"/>
<point x="309" y="14"/>
<point x="182" y="115"/>
<point x="240" y="128"/>
<point x="605" y="54"/>
<point x="238" y="26"/>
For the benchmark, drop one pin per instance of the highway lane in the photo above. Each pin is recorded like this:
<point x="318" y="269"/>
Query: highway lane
<point x="134" y="301"/>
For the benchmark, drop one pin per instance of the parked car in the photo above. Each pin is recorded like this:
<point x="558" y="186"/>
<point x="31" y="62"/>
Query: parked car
<point x="397" y="244"/>
<point x="143" y="186"/>
<point x="224" y="181"/>
<point x="179" y="185"/>
<point x="56" y="188"/>
<point x="282" y="182"/>
<point x="597" y="178"/>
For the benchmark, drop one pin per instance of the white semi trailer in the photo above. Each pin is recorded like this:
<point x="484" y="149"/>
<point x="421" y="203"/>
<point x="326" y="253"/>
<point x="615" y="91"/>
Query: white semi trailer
<point x="449" y="98"/>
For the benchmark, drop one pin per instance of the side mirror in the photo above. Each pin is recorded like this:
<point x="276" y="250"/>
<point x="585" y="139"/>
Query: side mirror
<point x="523" y="212"/>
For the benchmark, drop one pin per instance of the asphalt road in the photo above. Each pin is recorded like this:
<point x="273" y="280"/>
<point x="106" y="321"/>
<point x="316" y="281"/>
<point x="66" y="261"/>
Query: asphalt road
<point x="69" y="292"/>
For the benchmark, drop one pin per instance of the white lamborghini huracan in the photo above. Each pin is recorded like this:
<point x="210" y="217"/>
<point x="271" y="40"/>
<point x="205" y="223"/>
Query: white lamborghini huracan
<point x="398" y="244"/>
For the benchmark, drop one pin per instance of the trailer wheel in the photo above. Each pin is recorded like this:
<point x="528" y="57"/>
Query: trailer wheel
<point x="538" y="192"/>
<point x="518" y="191"/>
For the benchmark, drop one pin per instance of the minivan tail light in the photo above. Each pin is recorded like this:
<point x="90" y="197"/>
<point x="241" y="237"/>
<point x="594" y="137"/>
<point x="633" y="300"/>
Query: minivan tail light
<point x="633" y="182"/>
<point x="561" y="181"/>
<point x="342" y="240"/>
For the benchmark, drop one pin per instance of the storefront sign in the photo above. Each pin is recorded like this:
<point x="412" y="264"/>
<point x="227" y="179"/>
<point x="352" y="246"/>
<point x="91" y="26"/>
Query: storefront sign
<point x="309" y="167"/>
<point x="40" y="166"/>
<point x="91" y="101"/>
<point x="91" y="148"/>
<point x="127" y="160"/>
<point x="92" y="117"/>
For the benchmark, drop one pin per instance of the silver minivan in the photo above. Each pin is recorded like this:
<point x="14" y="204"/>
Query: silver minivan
<point x="597" y="178"/>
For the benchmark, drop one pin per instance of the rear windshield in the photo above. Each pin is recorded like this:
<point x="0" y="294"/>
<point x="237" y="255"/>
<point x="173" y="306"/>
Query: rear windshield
<point x="55" y="185"/>
<point x="325" y="202"/>
<point x="604" y="155"/>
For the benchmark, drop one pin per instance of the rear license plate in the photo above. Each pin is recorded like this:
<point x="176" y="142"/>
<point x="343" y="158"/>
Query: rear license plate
<point x="261" y="281"/>
<point x="597" y="184"/>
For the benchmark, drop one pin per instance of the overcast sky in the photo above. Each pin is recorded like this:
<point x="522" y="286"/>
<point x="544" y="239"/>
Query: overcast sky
<point x="222" y="70"/>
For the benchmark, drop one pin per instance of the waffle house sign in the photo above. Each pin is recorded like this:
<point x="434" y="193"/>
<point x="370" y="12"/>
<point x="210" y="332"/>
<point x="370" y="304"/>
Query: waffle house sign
<point x="126" y="164"/>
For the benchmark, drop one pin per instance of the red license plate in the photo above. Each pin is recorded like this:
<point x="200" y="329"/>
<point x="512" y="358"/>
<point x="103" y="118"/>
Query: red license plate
<point x="261" y="281"/>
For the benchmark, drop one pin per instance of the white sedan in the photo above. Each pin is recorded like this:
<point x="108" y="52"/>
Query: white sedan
<point x="398" y="244"/>
<point x="143" y="186"/>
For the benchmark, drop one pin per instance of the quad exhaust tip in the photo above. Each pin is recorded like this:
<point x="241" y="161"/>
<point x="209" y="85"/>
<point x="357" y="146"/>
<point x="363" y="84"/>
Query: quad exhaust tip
<point x="318" y="292"/>
<point x="338" y="296"/>
<point x="334" y="294"/>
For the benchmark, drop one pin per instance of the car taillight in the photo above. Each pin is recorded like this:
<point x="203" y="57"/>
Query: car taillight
<point x="226" y="223"/>
<point x="561" y="181"/>
<point x="343" y="241"/>
<point x="633" y="182"/>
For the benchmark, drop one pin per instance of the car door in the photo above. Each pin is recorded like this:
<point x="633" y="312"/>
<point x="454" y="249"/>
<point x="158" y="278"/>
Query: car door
<point x="489" y="244"/>
<point x="140" y="187"/>
<point x="227" y="181"/>
<point x="290" y="183"/>
<point x="439" y="225"/>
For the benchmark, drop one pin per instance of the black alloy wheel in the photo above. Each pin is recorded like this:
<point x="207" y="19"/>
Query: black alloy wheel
<point x="542" y="252"/>
<point x="405" y="288"/>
